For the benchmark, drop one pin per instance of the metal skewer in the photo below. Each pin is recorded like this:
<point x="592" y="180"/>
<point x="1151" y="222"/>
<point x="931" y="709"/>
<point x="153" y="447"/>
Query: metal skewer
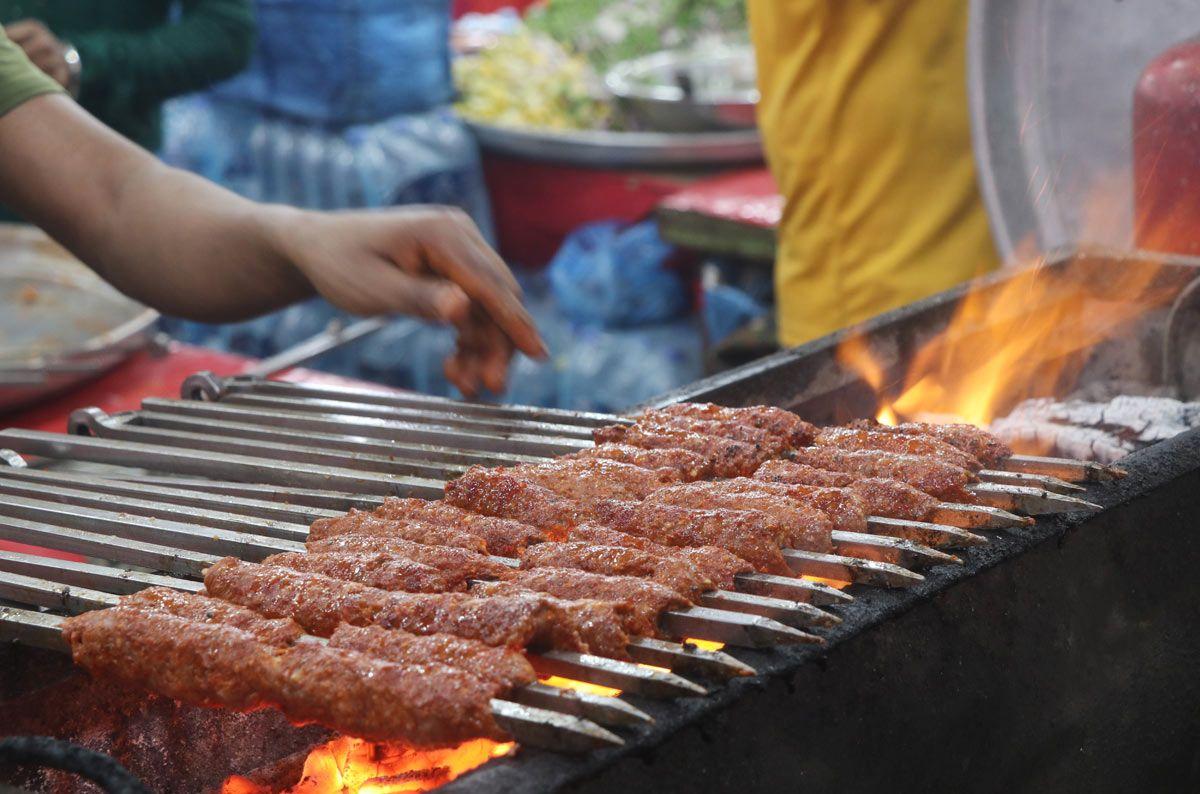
<point x="937" y="536"/>
<point x="975" y="517"/>
<point x="536" y="727"/>
<point x="1030" y="501"/>
<point x="1041" y="481"/>
<point x="1063" y="468"/>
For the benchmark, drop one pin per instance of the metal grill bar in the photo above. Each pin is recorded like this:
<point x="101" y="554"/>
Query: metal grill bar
<point x="352" y="436"/>
<point x="255" y="508"/>
<point x="188" y="537"/>
<point x="238" y="468"/>
<point x="205" y="385"/>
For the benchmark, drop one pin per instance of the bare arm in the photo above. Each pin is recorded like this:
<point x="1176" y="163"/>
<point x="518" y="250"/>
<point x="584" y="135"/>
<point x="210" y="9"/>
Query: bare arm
<point x="190" y="248"/>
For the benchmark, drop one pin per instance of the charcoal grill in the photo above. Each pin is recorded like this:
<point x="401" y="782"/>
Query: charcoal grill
<point x="979" y="651"/>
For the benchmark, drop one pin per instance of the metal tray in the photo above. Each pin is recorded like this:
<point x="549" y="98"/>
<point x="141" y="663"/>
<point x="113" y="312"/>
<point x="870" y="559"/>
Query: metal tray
<point x="60" y="325"/>
<point x="605" y="149"/>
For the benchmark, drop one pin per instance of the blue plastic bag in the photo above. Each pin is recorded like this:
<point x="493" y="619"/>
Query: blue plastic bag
<point x="615" y="275"/>
<point x="343" y="62"/>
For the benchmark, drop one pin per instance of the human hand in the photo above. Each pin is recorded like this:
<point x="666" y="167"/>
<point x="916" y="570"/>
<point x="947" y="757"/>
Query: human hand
<point x="429" y="262"/>
<point x="46" y="50"/>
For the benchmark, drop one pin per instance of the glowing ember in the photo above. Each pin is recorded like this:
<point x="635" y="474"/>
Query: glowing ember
<point x="705" y="645"/>
<point x="1027" y="337"/>
<point x="354" y="766"/>
<point x="836" y="583"/>
<point x="580" y="686"/>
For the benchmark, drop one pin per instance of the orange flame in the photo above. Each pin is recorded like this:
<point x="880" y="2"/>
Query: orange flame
<point x="580" y="686"/>
<point x="354" y="766"/>
<point x="1029" y="336"/>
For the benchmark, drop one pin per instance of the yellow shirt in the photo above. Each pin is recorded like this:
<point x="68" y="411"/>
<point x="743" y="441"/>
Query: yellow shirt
<point x="864" y="118"/>
<point x="20" y="80"/>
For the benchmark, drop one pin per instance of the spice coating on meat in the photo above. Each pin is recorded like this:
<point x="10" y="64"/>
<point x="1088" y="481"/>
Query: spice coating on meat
<point x="464" y="562"/>
<point x="510" y="669"/>
<point x="601" y="624"/>
<point x="975" y="441"/>
<point x="793" y="430"/>
<point x="727" y="458"/>
<point x="717" y="564"/>
<point x="213" y="664"/>
<point x="492" y="492"/>
<point x="923" y="446"/>
<point x="202" y="609"/>
<point x="931" y="476"/>
<point x="500" y="536"/>
<point x="760" y="439"/>
<point x="689" y="465"/>
<point x="590" y="479"/>
<point x="678" y="575"/>
<point x="356" y="522"/>
<point x="745" y="534"/>
<point x="374" y="569"/>
<point x="642" y="600"/>
<point x="844" y="509"/>
<point x="795" y="524"/>
<point x="425" y="705"/>
<point x="880" y="496"/>
<point x="319" y="603"/>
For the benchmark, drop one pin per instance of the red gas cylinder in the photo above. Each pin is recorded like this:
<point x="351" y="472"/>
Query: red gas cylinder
<point x="1166" y="152"/>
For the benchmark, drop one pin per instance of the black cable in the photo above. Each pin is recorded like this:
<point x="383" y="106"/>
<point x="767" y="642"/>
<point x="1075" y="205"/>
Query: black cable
<point x="45" y="751"/>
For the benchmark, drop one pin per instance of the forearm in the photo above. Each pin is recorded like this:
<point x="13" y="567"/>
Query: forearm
<point x="165" y="237"/>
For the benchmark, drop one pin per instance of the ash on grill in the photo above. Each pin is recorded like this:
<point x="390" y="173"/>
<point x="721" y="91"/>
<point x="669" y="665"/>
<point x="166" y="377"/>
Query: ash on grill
<point x="1102" y="431"/>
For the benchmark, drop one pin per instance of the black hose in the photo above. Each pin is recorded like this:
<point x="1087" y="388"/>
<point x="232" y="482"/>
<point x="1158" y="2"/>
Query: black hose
<point x="45" y="751"/>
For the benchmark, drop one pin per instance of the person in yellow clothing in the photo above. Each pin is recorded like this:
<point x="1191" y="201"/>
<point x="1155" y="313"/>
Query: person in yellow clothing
<point x="865" y="123"/>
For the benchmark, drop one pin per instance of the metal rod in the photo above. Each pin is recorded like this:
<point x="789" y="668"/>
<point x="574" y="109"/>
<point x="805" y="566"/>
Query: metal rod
<point x="849" y="569"/>
<point x="118" y="581"/>
<point x="95" y="422"/>
<point x="791" y="613"/>
<point x="598" y="708"/>
<point x="331" y="503"/>
<point x="189" y="537"/>
<point x="254" y="508"/>
<point x="1030" y="501"/>
<point x="49" y="595"/>
<point x="106" y="500"/>
<point x="975" y="517"/>
<point x="35" y="629"/>
<point x="687" y="658"/>
<point x="937" y="536"/>
<point x="1030" y="481"/>
<point x="350" y="433"/>
<point x="884" y="548"/>
<point x="1063" y="468"/>
<point x="333" y="337"/>
<point x="535" y="727"/>
<point x="551" y="730"/>
<point x="420" y="416"/>
<point x="626" y="676"/>
<point x="108" y="547"/>
<point x="791" y="588"/>
<point x="733" y="628"/>
<point x="205" y="385"/>
<point x="209" y="464"/>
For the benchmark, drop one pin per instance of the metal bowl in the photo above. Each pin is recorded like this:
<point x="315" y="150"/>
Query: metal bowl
<point x="673" y="91"/>
<point x="60" y="325"/>
<point x="611" y="149"/>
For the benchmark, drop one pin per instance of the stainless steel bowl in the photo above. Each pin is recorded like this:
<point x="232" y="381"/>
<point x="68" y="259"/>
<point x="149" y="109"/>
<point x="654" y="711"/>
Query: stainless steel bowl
<point x="693" y="91"/>
<point x="59" y="324"/>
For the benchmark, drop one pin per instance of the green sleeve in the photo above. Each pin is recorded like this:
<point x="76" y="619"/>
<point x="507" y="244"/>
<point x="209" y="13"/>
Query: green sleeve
<point x="20" y="80"/>
<point x="124" y="71"/>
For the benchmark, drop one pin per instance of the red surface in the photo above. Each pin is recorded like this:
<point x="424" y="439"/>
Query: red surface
<point x="1166" y="151"/>
<point x="123" y="388"/>
<point x="488" y="6"/>
<point x="536" y="205"/>
<point x="748" y="197"/>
